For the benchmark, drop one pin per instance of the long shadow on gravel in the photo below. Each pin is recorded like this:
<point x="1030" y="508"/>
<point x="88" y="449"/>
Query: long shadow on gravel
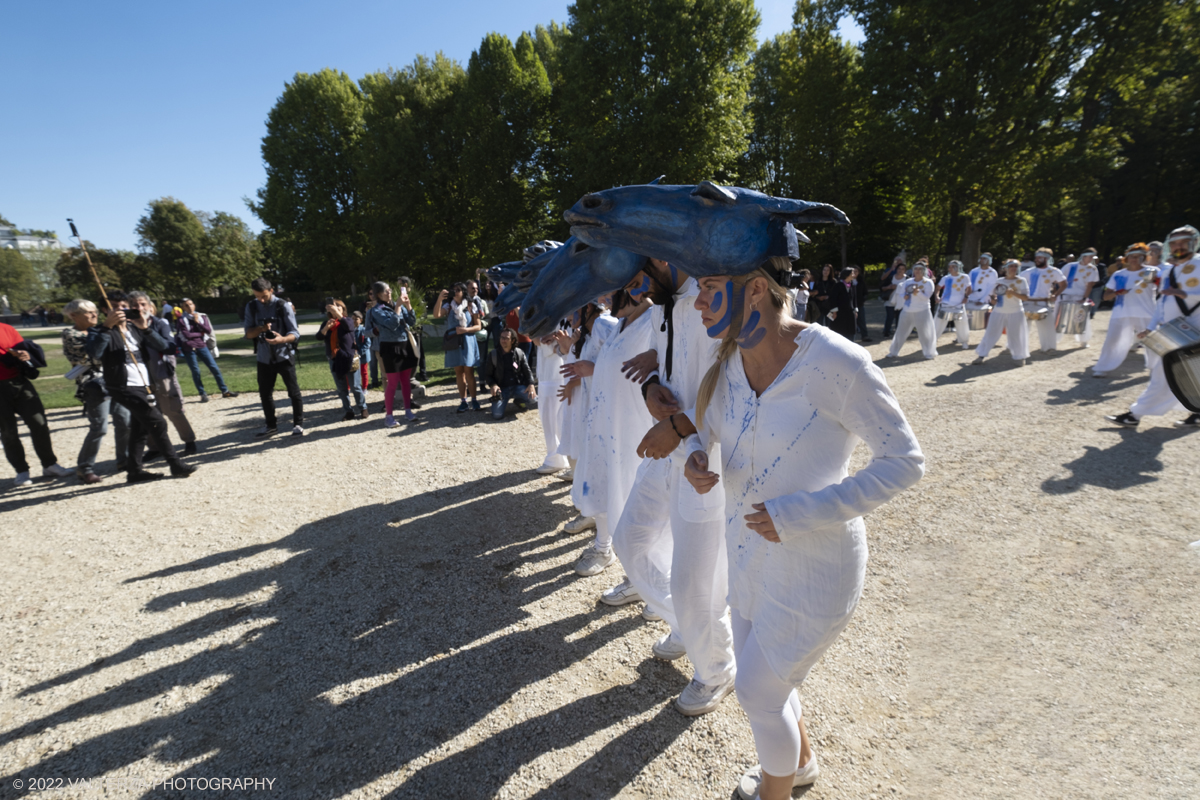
<point x="1133" y="461"/>
<point x="391" y="630"/>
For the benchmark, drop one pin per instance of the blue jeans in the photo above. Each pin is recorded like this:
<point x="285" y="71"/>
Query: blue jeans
<point x="344" y="383"/>
<point x="205" y="355"/>
<point x="519" y="394"/>
<point x="98" y="409"/>
<point x="891" y="317"/>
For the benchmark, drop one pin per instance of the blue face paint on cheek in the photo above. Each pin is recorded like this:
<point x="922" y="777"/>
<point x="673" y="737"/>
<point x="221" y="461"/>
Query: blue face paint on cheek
<point x="751" y="333"/>
<point x="721" y="297"/>
<point x="641" y="290"/>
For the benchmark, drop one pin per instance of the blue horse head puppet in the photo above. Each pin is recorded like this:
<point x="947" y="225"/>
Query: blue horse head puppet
<point x="705" y="229"/>
<point x="506" y="272"/>
<point x="576" y="275"/>
<point x="523" y="273"/>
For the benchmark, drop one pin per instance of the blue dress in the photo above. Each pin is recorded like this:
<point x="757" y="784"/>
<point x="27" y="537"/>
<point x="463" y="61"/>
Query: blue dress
<point x="467" y="352"/>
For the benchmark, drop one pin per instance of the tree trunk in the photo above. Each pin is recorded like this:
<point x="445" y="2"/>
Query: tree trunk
<point x="954" y="229"/>
<point x="972" y="238"/>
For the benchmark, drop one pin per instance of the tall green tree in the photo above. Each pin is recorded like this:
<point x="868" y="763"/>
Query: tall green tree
<point x="117" y="270"/>
<point x="18" y="280"/>
<point x="173" y="237"/>
<point x="232" y="254"/>
<point x="812" y="138"/>
<point x="311" y="197"/>
<point x="990" y="101"/>
<point x="651" y="87"/>
<point x="506" y="101"/>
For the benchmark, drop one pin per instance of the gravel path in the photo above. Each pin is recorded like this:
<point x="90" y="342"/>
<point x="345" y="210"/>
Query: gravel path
<point x="367" y="613"/>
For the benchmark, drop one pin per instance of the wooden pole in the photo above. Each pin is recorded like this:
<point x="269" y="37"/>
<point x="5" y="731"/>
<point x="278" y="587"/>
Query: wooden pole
<point x="91" y="266"/>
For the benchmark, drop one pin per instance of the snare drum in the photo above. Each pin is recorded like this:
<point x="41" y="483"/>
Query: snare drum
<point x="977" y="315"/>
<point x="949" y="312"/>
<point x="1182" y="369"/>
<point x="1072" y="316"/>
<point x="1172" y="335"/>
<point x="1037" y="312"/>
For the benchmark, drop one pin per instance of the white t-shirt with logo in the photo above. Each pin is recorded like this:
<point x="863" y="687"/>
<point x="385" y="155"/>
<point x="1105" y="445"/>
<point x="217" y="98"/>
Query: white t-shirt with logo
<point x="915" y="294"/>
<point x="983" y="280"/>
<point x="1041" y="281"/>
<point x="1078" y="277"/>
<point x="1141" y="292"/>
<point x="954" y="289"/>
<point x="1007" y="290"/>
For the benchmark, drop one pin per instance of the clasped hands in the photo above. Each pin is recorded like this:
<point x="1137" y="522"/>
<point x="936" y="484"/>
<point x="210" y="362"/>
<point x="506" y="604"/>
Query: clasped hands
<point x="695" y="469"/>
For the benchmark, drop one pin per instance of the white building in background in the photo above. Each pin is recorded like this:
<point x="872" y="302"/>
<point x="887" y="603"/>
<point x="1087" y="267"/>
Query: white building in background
<point x="12" y="239"/>
<point x="40" y="249"/>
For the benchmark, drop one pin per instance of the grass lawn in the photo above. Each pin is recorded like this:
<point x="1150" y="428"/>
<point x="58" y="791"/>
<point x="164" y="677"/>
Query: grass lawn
<point x="237" y="364"/>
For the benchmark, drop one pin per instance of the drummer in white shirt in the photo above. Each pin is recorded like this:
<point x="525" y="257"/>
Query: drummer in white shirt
<point x="1179" y="297"/>
<point x="914" y="296"/>
<point x="1046" y="283"/>
<point x="1008" y="316"/>
<point x="1082" y="275"/>
<point x="1133" y="291"/>
<point x="952" y="293"/>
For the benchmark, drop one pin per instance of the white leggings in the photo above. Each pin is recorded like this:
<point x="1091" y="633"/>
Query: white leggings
<point x="771" y="704"/>
<point x="603" y="534"/>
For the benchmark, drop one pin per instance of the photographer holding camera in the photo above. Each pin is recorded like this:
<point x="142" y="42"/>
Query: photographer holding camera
<point x="271" y="324"/>
<point x="122" y="346"/>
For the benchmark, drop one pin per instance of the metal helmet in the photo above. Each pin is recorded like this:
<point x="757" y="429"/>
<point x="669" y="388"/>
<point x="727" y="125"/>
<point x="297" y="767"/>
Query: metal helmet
<point x="537" y="248"/>
<point x="1190" y="236"/>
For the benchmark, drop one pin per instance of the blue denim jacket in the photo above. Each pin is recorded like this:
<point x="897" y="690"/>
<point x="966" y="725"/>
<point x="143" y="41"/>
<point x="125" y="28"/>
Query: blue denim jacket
<point x="392" y="325"/>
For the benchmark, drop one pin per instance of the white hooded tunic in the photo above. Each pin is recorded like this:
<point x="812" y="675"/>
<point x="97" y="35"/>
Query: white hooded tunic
<point x="790" y="449"/>
<point x="615" y="423"/>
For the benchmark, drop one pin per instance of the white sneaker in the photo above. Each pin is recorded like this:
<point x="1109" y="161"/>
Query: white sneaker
<point x="649" y="615"/>
<point x="22" y="479"/>
<point x="966" y="347"/>
<point x="568" y="476"/>
<point x="621" y="594"/>
<point x="700" y="698"/>
<point x="594" y="561"/>
<point x="56" y="471"/>
<point x="389" y="421"/>
<point x="546" y="469"/>
<point x="580" y="524"/>
<point x="748" y="785"/>
<point x="668" y="648"/>
<point x="297" y="430"/>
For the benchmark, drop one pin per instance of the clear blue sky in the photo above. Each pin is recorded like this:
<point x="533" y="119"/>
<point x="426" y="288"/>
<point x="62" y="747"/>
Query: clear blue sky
<point x="110" y="105"/>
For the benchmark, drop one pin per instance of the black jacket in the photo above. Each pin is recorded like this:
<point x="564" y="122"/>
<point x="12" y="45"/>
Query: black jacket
<point x="514" y="371"/>
<point x="107" y="346"/>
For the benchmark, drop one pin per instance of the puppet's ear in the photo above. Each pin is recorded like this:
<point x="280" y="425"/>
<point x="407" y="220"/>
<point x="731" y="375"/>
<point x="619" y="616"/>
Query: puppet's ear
<point x="784" y="239"/>
<point x="710" y="191"/>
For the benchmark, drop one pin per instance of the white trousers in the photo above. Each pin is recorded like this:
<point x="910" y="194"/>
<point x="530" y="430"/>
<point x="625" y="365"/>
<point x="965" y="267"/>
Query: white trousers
<point x="1086" y="336"/>
<point x="551" y="417"/>
<point x="771" y="704"/>
<point x="1047" y="335"/>
<point x="679" y="567"/>
<point x="1157" y="399"/>
<point x="960" y="328"/>
<point x="1122" y="334"/>
<point x="922" y="320"/>
<point x="1018" y="335"/>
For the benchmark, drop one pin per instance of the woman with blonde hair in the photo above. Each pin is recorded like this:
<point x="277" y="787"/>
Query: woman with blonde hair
<point x="788" y="402"/>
